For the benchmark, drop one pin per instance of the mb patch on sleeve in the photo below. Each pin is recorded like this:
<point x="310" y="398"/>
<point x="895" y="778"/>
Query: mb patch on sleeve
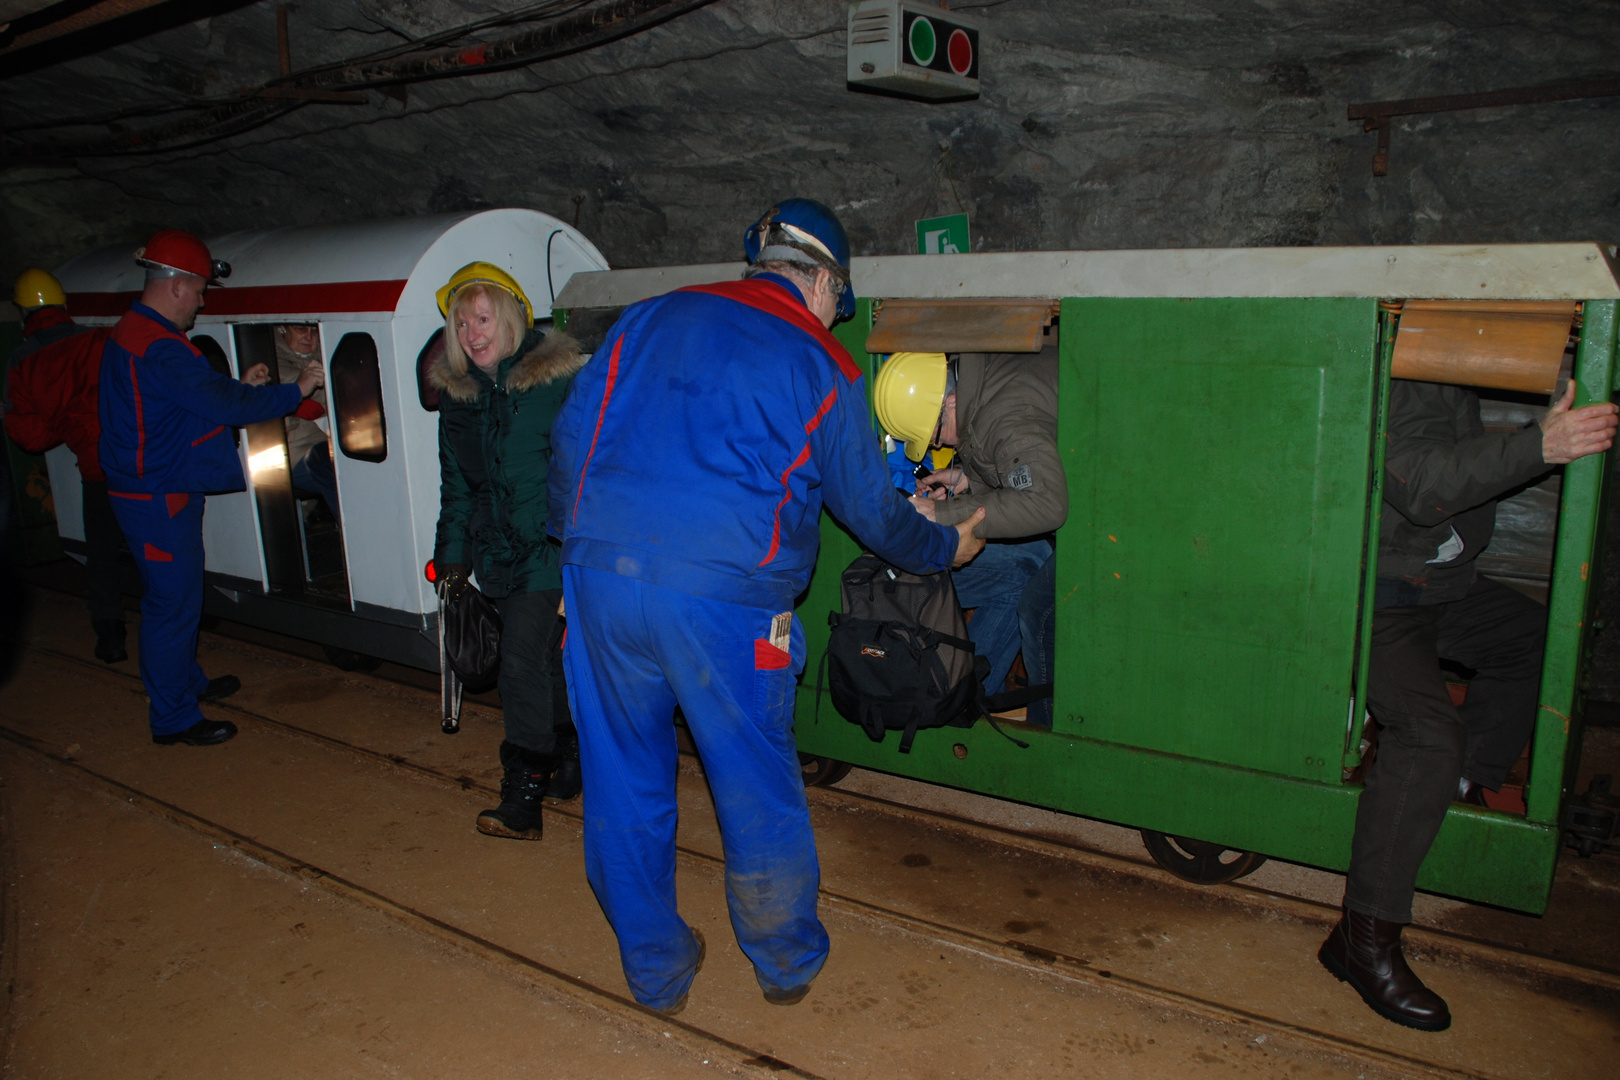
<point x="1019" y="479"/>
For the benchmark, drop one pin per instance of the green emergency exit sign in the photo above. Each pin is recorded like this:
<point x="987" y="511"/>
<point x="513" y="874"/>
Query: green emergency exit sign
<point x="943" y="235"/>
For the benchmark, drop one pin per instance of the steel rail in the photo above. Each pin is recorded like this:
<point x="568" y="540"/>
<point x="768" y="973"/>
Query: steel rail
<point x="693" y="1039"/>
<point x="1428" y="939"/>
<point x="1019" y="954"/>
<point x="1027" y="957"/>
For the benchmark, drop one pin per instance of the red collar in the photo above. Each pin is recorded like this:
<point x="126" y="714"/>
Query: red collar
<point x="774" y="299"/>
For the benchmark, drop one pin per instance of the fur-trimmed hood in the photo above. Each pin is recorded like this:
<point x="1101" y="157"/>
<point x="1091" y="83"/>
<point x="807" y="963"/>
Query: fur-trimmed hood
<point x="554" y="356"/>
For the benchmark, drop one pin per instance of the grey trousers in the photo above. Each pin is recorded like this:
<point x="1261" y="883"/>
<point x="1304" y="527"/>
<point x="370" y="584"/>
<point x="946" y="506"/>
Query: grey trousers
<point x="102" y="540"/>
<point x="1425" y="743"/>
<point x="534" y="696"/>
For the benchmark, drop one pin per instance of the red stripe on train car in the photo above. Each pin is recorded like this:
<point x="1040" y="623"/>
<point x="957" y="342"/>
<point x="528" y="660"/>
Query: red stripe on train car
<point x="335" y="296"/>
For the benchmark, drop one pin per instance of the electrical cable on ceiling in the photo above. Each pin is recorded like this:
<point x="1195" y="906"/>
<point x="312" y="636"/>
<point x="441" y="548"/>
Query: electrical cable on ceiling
<point x="572" y="26"/>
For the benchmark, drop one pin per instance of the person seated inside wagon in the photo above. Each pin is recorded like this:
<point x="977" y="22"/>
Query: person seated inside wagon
<point x="309" y="450"/>
<point x="999" y="412"/>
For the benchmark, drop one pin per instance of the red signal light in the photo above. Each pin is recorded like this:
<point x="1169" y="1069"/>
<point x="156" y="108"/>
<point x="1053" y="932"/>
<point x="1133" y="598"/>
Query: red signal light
<point x="431" y="572"/>
<point x="959" y="51"/>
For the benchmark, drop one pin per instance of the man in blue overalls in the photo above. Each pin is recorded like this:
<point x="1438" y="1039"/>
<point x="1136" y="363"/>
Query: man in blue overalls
<point x="679" y="586"/>
<point x="165" y="442"/>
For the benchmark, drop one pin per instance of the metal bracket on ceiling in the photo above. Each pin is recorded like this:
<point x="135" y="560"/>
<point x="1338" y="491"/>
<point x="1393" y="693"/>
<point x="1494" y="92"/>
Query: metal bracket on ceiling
<point x="1376" y="115"/>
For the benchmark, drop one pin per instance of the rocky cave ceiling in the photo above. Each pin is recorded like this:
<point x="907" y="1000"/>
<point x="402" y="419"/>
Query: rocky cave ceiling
<point x="1155" y="123"/>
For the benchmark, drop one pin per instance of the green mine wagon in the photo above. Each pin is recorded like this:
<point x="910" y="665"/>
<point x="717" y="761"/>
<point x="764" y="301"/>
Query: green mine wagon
<point x="1221" y="416"/>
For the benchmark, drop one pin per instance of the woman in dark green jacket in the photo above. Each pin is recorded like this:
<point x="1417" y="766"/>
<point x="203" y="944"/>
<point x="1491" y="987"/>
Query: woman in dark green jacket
<point x="500" y="383"/>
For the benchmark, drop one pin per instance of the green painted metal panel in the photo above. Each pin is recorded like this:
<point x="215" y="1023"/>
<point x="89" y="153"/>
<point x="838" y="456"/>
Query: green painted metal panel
<point x="1210" y="573"/>
<point x="1479" y="855"/>
<point x="1572" y="597"/>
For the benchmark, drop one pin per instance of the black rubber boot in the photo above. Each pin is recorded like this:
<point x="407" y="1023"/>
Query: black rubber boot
<point x="110" y="636"/>
<point x="566" y="782"/>
<point x="522" y="788"/>
<point x="1366" y="953"/>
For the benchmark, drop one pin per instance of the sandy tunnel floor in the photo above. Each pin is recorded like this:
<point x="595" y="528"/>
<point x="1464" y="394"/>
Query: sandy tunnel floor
<point x="313" y="900"/>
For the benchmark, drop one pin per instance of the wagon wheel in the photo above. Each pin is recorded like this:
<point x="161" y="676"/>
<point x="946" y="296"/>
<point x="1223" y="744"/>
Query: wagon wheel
<point x="1199" y="861"/>
<point x="822" y="771"/>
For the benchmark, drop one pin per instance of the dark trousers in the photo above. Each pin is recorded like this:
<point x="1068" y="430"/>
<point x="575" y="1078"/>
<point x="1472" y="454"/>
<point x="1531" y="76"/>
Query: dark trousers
<point x="1425" y="743"/>
<point x="102" y="539"/>
<point x="534" y="696"/>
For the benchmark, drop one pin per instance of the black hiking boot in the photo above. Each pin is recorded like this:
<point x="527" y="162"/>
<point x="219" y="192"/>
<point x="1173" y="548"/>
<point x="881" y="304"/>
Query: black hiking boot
<point x="1366" y="953"/>
<point x="566" y="782"/>
<point x="523" y="786"/>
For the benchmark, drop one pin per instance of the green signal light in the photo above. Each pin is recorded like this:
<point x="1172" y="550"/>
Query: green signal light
<point x="922" y="41"/>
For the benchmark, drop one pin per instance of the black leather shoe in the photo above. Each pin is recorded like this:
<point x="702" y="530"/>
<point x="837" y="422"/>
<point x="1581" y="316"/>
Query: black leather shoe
<point x="703" y="951"/>
<point x="110" y="636"/>
<point x="204" y="732"/>
<point x="220" y="688"/>
<point x="1471" y="793"/>
<point x="1366" y="953"/>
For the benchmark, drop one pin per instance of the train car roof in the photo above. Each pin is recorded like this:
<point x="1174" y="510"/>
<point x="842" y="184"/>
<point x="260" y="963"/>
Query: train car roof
<point x="391" y="267"/>
<point x="1576" y="271"/>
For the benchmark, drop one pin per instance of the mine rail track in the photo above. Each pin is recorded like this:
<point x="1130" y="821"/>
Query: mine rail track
<point x="716" y="1047"/>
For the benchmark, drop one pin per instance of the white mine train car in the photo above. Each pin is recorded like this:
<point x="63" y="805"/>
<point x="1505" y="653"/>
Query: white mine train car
<point x="370" y="287"/>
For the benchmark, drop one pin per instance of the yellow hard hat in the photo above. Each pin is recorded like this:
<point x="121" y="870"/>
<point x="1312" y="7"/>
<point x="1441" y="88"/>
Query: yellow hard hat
<point x="37" y="288"/>
<point x="483" y="273"/>
<point x="907" y="395"/>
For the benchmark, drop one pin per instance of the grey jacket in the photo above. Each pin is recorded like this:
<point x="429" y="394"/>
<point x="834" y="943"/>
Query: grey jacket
<point x="1442" y="472"/>
<point x="1006" y="431"/>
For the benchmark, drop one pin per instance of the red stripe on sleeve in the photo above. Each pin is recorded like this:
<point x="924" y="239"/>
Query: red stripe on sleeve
<point x="140" y="422"/>
<point x="804" y="456"/>
<point x="607" y="395"/>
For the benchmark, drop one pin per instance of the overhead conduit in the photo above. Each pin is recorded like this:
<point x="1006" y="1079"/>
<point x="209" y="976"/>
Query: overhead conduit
<point x="589" y="26"/>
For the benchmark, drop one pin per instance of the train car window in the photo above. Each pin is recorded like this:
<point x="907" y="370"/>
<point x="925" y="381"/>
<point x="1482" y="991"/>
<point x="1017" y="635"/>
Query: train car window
<point x="357" y="399"/>
<point x="430" y="354"/>
<point x="214" y="353"/>
<point x="255" y="344"/>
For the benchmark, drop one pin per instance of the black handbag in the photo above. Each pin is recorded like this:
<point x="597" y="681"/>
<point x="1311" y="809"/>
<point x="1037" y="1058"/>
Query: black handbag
<point x="472" y="632"/>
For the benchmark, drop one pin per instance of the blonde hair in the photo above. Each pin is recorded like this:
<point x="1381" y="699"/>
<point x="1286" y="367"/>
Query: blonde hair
<point x="509" y="321"/>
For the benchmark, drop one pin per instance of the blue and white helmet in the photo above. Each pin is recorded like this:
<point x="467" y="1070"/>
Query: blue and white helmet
<point x="807" y="232"/>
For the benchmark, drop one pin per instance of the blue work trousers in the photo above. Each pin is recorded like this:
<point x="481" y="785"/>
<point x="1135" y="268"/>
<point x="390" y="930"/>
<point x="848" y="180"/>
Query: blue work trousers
<point x="993" y="586"/>
<point x="165" y="536"/>
<point x="633" y="652"/>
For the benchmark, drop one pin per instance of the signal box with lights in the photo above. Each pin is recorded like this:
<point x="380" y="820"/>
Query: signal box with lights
<point x="913" y="48"/>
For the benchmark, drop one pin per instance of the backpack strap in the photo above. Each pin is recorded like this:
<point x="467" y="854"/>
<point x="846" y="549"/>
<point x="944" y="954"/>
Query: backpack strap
<point x="911" y="730"/>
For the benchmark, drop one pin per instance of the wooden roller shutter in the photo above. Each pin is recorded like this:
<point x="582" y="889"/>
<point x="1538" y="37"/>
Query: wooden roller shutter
<point x="1504" y="344"/>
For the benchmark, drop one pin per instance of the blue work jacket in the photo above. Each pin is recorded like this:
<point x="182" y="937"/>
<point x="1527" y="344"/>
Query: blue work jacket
<point x="697" y="447"/>
<point x="166" y="414"/>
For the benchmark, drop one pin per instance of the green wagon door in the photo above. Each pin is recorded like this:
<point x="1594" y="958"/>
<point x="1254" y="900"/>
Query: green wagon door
<point x="1209" y="575"/>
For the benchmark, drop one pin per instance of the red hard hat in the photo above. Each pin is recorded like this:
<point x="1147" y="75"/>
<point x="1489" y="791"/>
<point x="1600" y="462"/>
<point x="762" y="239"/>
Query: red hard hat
<point x="176" y="250"/>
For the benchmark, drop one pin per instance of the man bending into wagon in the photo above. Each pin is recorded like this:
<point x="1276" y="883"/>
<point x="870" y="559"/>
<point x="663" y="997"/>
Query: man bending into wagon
<point x="1442" y="476"/>
<point x="999" y="412"/>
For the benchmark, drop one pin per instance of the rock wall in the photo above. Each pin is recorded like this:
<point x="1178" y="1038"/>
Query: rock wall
<point x="1157" y="123"/>
<point x="1152" y="123"/>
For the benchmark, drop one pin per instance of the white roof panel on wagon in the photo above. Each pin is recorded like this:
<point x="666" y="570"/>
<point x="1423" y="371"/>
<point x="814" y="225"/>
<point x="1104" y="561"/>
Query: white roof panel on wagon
<point x="1574" y="271"/>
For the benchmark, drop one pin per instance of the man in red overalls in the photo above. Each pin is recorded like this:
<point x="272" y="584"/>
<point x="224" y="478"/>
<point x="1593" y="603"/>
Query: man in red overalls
<point x="51" y="398"/>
